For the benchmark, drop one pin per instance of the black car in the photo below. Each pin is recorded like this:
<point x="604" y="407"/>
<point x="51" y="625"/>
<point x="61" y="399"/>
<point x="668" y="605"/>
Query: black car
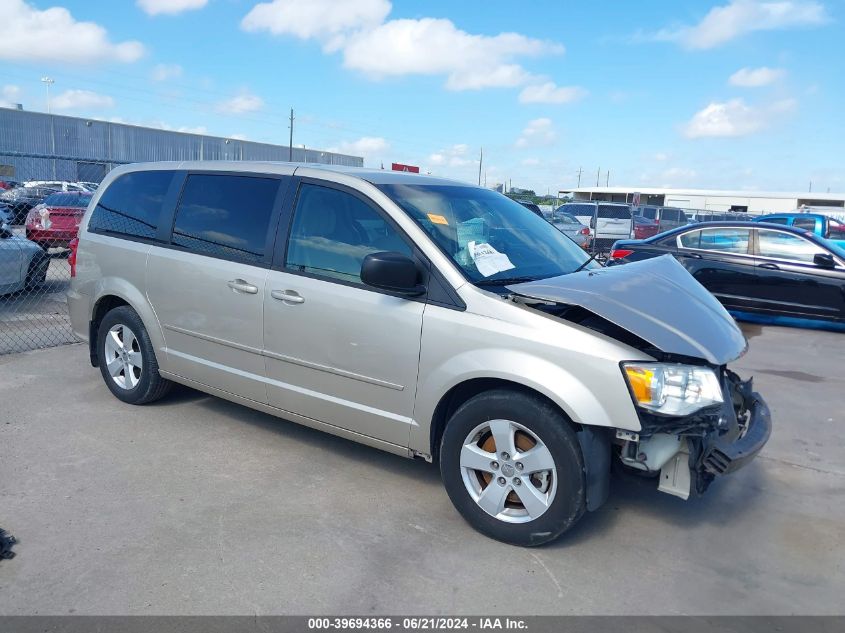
<point x="531" y="207"/>
<point x="20" y="200"/>
<point x="753" y="267"/>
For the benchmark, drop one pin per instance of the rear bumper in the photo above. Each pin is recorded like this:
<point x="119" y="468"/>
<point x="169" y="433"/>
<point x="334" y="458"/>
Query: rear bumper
<point x="52" y="238"/>
<point x="721" y="457"/>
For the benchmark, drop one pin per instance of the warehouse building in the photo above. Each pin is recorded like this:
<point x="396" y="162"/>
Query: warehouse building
<point x="754" y="202"/>
<point x="40" y="146"/>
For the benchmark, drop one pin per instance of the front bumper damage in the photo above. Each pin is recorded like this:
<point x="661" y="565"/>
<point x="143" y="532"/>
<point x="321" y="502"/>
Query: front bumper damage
<point x="689" y="453"/>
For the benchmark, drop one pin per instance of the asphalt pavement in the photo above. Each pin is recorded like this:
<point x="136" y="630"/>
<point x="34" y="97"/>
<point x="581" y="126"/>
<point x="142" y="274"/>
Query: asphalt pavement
<point x="195" y="505"/>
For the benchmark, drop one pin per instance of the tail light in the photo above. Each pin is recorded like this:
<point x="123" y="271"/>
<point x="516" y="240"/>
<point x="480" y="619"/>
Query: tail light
<point x="584" y="231"/>
<point x="620" y="253"/>
<point x="71" y="259"/>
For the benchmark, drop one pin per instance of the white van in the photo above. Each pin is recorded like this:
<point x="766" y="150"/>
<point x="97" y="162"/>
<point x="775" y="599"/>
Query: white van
<point x="608" y="221"/>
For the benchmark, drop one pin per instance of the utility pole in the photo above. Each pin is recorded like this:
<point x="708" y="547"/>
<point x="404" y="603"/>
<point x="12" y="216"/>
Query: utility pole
<point x="579" y="177"/>
<point x="290" y="144"/>
<point x="480" y="163"/>
<point x="47" y="81"/>
<point x="607" y="182"/>
<point x="598" y="176"/>
<point x="811" y="187"/>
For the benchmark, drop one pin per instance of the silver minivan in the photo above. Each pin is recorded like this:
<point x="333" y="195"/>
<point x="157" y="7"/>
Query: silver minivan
<point x="421" y="316"/>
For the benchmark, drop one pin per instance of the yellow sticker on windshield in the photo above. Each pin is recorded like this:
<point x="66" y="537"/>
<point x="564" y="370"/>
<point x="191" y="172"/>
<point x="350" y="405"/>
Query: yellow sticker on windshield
<point x="438" y="219"/>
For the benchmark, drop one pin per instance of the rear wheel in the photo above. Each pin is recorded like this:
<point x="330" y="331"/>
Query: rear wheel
<point x="513" y="468"/>
<point x="127" y="359"/>
<point x="36" y="273"/>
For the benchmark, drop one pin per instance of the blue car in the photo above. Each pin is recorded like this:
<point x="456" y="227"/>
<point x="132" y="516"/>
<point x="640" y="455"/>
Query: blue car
<point x="822" y="225"/>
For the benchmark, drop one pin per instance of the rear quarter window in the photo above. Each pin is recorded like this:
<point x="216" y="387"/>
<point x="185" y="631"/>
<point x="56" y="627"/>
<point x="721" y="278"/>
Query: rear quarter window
<point x="131" y="205"/>
<point x="614" y="212"/>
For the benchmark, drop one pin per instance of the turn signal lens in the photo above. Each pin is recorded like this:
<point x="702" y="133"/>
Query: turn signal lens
<point x="620" y="253"/>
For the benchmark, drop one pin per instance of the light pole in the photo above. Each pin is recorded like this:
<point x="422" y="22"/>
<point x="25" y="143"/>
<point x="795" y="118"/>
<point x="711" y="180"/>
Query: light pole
<point x="47" y="81"/>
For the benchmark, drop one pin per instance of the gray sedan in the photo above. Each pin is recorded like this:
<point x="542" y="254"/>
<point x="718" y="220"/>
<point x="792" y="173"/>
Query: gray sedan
<point x="570" y="226"/>
<point x="23" y="264"/>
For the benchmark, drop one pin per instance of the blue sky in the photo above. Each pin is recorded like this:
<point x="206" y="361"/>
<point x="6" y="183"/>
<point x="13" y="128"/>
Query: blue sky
<point x="738" y="94"/>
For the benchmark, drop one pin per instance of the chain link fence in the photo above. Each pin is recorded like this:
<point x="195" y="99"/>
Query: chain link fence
<point x="40" y="217"/>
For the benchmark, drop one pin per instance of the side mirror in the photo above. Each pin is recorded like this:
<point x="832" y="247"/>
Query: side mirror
<point x="5" y="231"/>
<point x="824" y="260"/>
<point x="393" y="272"/>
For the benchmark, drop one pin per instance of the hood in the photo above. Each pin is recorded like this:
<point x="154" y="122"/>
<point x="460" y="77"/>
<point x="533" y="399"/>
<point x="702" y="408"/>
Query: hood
<point x="655" y="299"/>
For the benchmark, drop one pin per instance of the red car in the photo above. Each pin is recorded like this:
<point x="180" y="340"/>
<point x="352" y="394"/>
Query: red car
<point x="644" y="227"/>
<point x="55" y="222"/>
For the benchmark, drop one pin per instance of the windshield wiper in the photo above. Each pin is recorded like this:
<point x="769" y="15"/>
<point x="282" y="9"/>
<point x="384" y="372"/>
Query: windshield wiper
<point x="504" y="281"/>
<point x="587" y="261"/>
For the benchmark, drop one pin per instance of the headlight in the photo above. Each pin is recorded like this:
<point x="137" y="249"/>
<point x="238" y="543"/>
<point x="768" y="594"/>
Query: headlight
<point x="676" y="390"/>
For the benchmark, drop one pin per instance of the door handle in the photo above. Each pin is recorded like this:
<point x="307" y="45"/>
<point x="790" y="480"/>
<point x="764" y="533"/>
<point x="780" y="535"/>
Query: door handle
<point x="770" y="266"/>
<point x="243" y="287"/>
<point x="287" y="296"/>
<point x="692" y="255"/>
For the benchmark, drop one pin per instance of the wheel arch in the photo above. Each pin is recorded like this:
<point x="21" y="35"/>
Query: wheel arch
<point x="114" y="295"/>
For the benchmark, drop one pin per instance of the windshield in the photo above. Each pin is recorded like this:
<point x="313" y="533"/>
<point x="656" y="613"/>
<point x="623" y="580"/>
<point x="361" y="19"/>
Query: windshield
<point x="489" y="237"/>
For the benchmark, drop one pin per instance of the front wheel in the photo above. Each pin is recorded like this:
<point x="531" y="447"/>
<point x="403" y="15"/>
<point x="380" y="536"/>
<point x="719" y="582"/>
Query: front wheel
<point x="512" y="466"/>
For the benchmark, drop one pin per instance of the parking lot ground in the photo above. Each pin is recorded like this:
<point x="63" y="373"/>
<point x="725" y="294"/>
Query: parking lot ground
<point x="198" y="506"/>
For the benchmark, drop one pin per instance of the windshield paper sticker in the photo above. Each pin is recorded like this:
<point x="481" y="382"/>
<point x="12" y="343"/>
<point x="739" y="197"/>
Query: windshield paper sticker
<point x="487" y="259"/>
<point x="438" y="219"/>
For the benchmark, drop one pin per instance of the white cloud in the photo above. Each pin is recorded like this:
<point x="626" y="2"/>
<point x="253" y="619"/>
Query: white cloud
<point x="537" y="133"/>
<point x="741" y="17"/>
<point x="163" y="72"/>
<point x="735" y="118"/>
<point x="678" y="176"/>
<point x="550" y="92"/>
<point x="756" y="77"/>
<point x="9" y="96"/>
<point x="530" y="162"/>
<point x="661" y="156"/>
<point x="371" y="148"/>
<point x="170" y="7"/>
<point x="437" y="47"/>
<point x="382" y="48"/>
<point x="238" y="137"/>
<point x="53" y="35"/>
<point x="455" y="156"/>
<point x="243" y="103"/>
<point x="81" y="100"/>
<point x="326" y="20"/>
<point x="199" y="129"/>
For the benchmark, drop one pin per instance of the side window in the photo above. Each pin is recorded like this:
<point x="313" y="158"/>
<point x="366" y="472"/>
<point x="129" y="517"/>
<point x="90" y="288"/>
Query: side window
<point x="805" y="223"/>
<point x="132" y="203"/>
<point x="616" y="212"/>
<point x="225" y="216"/>
<point x="783" y="245"/>
<point x="725" y="240"/>
<point x="690" y="240"/>
<point x="333" y="231"/>
<point x="783" y="221"/>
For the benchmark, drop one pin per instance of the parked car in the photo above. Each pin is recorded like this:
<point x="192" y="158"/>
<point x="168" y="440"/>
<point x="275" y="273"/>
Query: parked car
<point x="644" y="227"/>
<point x="9" y="184"/>
<point x="58" y="185"/>
<point x="20" y="200"/>
<point x="23" y="264"/>
<point x="822" y="225"/>
<point x="572" y="228"/>
<point x="666" y="218"/>
<point x="753" y="267"/>
<point x="422" y="316"/>
<point x="55" y="222"/>
<point x="609" y="221"/>
<point x="535" y="209"/>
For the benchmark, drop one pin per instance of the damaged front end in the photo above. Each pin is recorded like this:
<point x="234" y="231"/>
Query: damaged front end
<point x="689" y="452"/>
<point x="697" y="418"/>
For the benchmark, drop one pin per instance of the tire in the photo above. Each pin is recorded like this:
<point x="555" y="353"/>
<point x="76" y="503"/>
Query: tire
<point x="36" y="273"/>
<point x="124" y="347"/>
<point x="554" y="497"/>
